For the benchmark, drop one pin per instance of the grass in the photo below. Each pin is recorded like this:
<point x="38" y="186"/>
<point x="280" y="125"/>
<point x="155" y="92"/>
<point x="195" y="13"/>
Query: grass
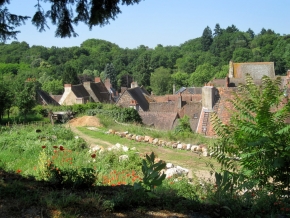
<point x="51" y="174"/>
<point x="183" y="158"/>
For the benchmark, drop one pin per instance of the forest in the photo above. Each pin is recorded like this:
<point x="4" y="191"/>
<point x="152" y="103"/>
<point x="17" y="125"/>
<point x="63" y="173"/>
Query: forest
<point x="193" y="63"/>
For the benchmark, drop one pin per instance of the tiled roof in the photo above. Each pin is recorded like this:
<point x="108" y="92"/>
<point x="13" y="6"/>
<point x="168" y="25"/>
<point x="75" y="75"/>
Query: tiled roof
<point x="182" y="89"/>
<point x="46" y="98"/>
<point x="163" y="121"/>
<point x="100" y="91"/>
<point x="56" y="97"/>
<point x="137" y="94"/>
<point x="79" y="91"/>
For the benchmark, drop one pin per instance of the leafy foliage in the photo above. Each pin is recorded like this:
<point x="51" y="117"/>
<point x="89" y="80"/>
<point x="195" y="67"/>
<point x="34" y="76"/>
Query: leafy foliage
<point x="92" y="13"/>
<point x="183" y="125"/>
<point x="152" y="176"/>
<point x="257" y="134"/>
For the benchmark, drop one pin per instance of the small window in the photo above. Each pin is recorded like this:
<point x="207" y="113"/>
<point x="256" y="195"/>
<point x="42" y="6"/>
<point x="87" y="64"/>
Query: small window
<point x="195" y="116"/>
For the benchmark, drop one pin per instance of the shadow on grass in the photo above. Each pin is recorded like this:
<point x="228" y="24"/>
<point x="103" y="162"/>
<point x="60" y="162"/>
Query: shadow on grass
<point x="26" y="197"/>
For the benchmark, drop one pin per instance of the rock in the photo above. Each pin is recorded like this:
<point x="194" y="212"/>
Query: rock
<point x="133" y="137"/>
<point x="155" y="141"/>
<point x="118" y="145"/>
<point x="179" y="146"/>
<point x="150" y="140"/>
<point x="188" y="147"/>
<point x="122" y="134"/>
<point x="139" y="138"/>
<point x="125" y="148"/>
<point x="194" y="148"/>
<point x="94" y="148"/>
<point x="184" y="146"/>
<point x="161" y="143"/>
<point x="128" y="136"/>
<point x="169" y="165"/>
<point x="168" y="144"/>
<point x="123" y="157"/>
<point x="146" y="138"/>
<point x="184" y="171"/>
<point x="111" y="131"/>
<point x="174" y="145"/>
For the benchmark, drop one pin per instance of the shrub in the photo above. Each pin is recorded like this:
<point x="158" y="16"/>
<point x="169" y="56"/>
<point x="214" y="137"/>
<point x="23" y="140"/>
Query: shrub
<point x="257" y="135"/>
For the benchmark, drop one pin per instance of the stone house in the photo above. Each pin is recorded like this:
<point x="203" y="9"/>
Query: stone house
<point x="86" y="92"/>
<point x="135" y="97"/>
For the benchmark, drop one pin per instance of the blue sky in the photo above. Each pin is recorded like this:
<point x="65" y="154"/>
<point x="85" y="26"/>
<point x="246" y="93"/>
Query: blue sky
<point x="166" y="22"/>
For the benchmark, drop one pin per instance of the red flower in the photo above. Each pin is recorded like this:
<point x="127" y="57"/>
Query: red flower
<point x="43" y="146"/>
<point x="54" y="146"/>
<point x="61" y="148"/>
<point x="93" y="155"/>
<point x="18" y="171"/>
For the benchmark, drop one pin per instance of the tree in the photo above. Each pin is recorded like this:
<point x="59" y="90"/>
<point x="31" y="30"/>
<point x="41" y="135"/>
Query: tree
<point x="251" y="33"/>
<point x="69" y="75"/>
<point x="180" y="79"/>
<point x="206" y="39"/>
<point x="54" y="87"/>
<point x="6" y="97"/>
<point x="111" y="74"/>
<point x="257" y="134"/>
<point x="242" y="55"/>
<point x="160" y="81"/>
<point x="25" y="99"/>
<point x="203" y="74"/>
<point x="217" y="30"/>
<point x="92" y="13"/>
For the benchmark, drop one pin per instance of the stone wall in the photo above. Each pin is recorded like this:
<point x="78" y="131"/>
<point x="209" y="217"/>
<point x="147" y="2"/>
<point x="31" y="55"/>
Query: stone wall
<point x="125" y="100"/>
<point x="256" y="70"/>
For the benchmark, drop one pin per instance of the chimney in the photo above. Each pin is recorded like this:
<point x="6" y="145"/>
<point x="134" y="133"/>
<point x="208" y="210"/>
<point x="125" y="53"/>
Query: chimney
<point x="227" y="81"/>
<point x="134" y="84"/>
<point x="97" y="79"/>
<point x="67" y="87"/>
<point x="173" y="88"/>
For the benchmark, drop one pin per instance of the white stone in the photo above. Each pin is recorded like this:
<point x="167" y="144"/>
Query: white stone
<point x="179" y="146"/>
<point x="188" y="147"/>
<point x="169" y="165"/>
<point x="182" y="170"/>
<point x="155" y="141"/>
<point x="123" y="157"/>
<point x="125" y="148"/>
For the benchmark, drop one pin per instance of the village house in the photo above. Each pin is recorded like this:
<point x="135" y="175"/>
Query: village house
<point x="86" y="92"/>
<point x="135" y="97"/>
<point x="198" y="103"/>
<point x="43" y="98"/>
<point x="217" y="92"/>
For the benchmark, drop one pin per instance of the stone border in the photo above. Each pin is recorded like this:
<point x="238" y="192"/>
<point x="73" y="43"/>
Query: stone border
<point x="199" y="149"/>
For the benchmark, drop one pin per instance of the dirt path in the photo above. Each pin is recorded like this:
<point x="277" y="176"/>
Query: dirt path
<point x="89" y="139"/>
<point x="184" y="159"/>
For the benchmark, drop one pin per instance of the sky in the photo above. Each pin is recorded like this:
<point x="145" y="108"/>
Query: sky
<point x="165" y="22"/>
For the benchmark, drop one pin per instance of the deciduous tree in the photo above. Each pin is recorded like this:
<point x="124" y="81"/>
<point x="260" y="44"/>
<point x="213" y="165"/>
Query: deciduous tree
<point x="92" y="13"/>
